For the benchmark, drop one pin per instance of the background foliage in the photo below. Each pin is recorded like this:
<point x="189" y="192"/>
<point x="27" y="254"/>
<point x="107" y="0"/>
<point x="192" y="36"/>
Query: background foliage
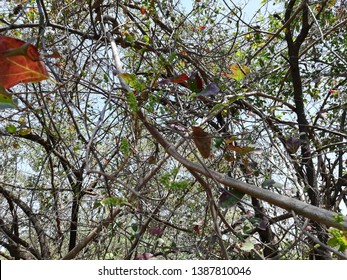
<point x="88" y="167"/>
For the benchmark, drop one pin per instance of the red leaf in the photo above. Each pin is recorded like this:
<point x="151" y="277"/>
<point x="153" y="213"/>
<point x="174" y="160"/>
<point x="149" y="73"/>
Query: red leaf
<point x="197" y="229"/>
<point x="155" y="231"/>
<point x="20" y="63"/>
<point x="143" y="10"/>
<point x="180" y="79"/>
<point x="195" y="82"/>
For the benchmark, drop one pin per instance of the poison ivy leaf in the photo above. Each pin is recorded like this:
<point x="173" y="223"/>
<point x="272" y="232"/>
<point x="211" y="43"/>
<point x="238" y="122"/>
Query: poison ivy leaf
<point x="211" y="89"/>
<point x="238" y="72"/>
<point x="230" y="198"/>
<point x="20" y="63"/>
<point x="202" y="141"/>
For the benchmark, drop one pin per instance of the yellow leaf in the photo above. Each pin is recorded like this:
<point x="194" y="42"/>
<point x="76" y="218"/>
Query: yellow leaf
<point x="238" y="72"/>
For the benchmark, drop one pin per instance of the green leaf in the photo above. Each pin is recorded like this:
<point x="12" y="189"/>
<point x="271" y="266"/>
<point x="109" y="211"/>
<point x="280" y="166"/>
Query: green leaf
<point x="24" y="131"/>
<point x="132" y="81"/>
<point x="218" y="142"/>
<point x="179" y="185"/>
<point x="238" y="72"/>
<point x="230" y="198"/>
<point x="132" y="102"/>
<point x="6" y="100"/>
<point x="218" y="107"/>
<point x="339" y="218"/>
<point x="11" y="128"/>
<point x="338" y="239"/>
<point x="125" y="147"/>
<point x="135" y="227"/>
<point x="248" y="245"/>
<point x="113" y="201"/>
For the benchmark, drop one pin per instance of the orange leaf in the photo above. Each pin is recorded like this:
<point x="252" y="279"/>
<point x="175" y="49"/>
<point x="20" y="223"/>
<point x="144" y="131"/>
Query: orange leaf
<point x="202" y="141"/>
<point x="238" y="72"/>
<point x="240" y="150"/>
<point x="20" y="63"/>
<point x="143" y="10"/>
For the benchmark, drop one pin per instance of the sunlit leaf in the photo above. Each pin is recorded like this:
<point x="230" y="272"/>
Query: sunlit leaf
<point x="20" y="63"/>
<point x="238" y="72"/>
<point x="202" y="141"/>
<point x="132" y="81"/>
<point x="247" y="245"/>
<point x="338" y="239"/>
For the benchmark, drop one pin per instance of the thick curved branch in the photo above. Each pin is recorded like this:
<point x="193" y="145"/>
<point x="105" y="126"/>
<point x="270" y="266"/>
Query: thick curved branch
<point x="290" y="204"/>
